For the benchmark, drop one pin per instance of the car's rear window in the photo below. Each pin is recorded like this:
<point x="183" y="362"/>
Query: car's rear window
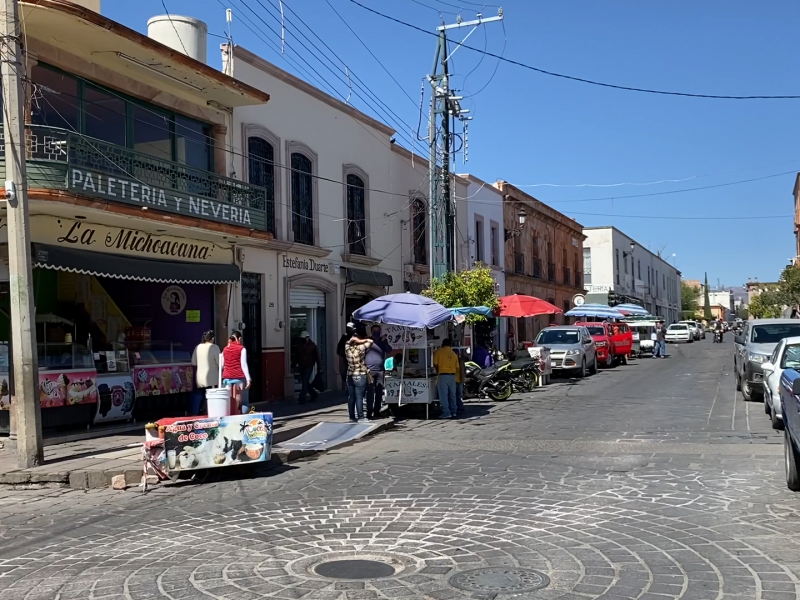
<point x="772" y="334"/>
<point x="791" y="357"/>
<point x="558" y="336"/>
<point x="596" y="330"/>
<point x="678" y="327"/>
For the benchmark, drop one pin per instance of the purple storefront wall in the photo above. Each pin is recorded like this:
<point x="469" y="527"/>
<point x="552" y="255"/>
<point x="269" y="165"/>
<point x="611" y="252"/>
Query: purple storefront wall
<point x="133" y="296"/>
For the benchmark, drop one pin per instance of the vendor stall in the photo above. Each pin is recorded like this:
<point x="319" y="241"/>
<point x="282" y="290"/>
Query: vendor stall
<point x="409" y="317"/>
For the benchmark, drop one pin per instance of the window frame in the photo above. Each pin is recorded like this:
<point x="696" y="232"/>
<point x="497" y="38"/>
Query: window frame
<point x="253" y="130"/>
<point x="423" y="203"/>
<point x="480" y="246"/>
<point x="295" y="147"/>
<point x="494" y="241"/>
<point x="352" y="169"/>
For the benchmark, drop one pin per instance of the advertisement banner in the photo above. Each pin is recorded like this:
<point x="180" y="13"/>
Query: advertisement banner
<point x="400" y="337"/>
<point x="117" y="396"/>
<point x="162" y="380"/>
<point x="415" y="391"/>
<point x="67" y="388"/>
<point x="206" y="443"/>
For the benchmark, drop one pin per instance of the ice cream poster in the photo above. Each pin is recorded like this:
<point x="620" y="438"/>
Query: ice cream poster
<point x="116" y="398"/>
<point x="218" y="442"/>
<point x="160" y="381"/>
<point x="66" y="389"/>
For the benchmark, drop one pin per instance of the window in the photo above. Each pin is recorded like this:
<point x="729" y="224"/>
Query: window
<point x="104" y="116"/>
<point x="616" y="258"/>
<point x="479" y="240"/>
<point x="639" y="268"/>
<point x="60" y="107"/>
<point x="152" y="133"/>
<point x="419" y="233"/>
<point x="587" y="266"/>
<point x="261" y="172"/>
<point x="625" y="261"/>
<point x="494" y="240"/>
<point x="192" y="143"/>
<point x="356" y="215"/>
<point x="302" y="199"/>
<point x="664" y="281"/>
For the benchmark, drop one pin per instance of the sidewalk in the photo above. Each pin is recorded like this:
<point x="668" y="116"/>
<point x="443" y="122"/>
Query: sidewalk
<point x="91" y="463"/>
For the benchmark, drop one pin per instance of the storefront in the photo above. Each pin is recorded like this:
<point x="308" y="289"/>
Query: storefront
<point x="118" y="314"/>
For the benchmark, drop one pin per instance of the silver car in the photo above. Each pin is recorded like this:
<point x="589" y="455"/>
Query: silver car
<point x="754" y="347"/>
<point x="572" y="348"/>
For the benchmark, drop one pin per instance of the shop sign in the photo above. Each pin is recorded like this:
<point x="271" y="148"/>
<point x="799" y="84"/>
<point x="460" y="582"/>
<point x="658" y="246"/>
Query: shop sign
<point x="116" y="398"/>
<point x="218" y="442"/>
<point x="305" y="264"/>
<point x="415" y="391"/>
<point x="598" y="288"/>
<point x="67" y="388"/>
<point x="130" y="242"/>
<point x="119" y="189"/>
<point x="173" y="300"/>
<point x="160" y="381"/>
<point x="404" y="337"/>
<point x="192" y="316"/>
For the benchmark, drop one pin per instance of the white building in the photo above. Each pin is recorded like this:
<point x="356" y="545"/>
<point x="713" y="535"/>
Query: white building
<point x="615" y="262"/>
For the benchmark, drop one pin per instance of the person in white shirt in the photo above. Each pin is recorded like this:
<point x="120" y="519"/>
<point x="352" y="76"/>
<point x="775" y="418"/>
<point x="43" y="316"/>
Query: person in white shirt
<point x="205" y="359"/>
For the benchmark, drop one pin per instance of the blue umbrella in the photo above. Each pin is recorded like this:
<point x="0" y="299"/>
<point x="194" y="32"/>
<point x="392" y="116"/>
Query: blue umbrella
<point x="632" y="309"/>
<point x="407" y="310"/>
<point x="599" y="311"/>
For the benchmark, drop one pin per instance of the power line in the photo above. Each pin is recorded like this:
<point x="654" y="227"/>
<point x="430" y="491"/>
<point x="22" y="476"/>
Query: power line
<point x="581" y="79"/>
<point x="175" y="29"/>
<point x="682" y="218"/>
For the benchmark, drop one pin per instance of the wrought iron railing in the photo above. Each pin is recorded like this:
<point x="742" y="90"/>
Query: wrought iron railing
<point x="519" y="263"/>
<point x="567" y="276"/>
<point x="551" y="271"/>
<point x="181" y="181"/>
<point x="537" y="268"/>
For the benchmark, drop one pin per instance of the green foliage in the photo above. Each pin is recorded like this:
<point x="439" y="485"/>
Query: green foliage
<point x="766" y="305"/>
<point x="743" y="314"/>
<point x="474" y="287"/>
<point x="789" y="286"/>
<point x="688" y="299"/>
<point x="707" y="315"/>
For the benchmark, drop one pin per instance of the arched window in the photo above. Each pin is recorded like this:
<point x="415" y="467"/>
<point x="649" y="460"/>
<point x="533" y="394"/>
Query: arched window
<point x="356" y="219"/>
<point x="302" y="199"/>
<point x="261" y="172"/>
<point x="419" y="233"/>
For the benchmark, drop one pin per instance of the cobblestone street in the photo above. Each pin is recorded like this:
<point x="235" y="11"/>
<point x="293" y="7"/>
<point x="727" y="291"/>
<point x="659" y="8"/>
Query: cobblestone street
<point x="651" y="481"/>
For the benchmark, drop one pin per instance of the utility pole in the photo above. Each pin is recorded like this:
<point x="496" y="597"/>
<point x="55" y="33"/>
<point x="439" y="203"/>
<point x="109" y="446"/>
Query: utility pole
<point x="444" y="106"/>
<point x="25" y="401"/>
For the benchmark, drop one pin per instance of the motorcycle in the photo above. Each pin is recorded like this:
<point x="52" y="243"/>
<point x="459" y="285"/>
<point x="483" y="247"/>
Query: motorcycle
<point x="718" y="336"/>
<point x="500" y="380"/>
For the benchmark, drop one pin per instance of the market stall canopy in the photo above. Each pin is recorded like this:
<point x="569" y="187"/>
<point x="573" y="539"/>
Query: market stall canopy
<point x="369" y="277"/>
<point x="598" y="311"/>
<point x="117" y="266"/>
<point x="519" y="305"/>
<point x="407" y="310"/>
<point x="463" y="311"/>
<point x="631" y="310"/>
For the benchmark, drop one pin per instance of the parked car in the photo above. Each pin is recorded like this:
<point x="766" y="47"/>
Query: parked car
<point x="571" y="348"/>
<point x="785" y="356"/>
<point x="754" y="347"/>
<point x="679" y="332"/>
<point x="789" y="387"/>
<point x="614" y="341"/>
<point x="622" y="337"/>
<point x="695" y="329"/>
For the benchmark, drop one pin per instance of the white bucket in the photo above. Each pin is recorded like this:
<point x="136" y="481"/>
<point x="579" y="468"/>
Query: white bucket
<point x="218" y="401"/>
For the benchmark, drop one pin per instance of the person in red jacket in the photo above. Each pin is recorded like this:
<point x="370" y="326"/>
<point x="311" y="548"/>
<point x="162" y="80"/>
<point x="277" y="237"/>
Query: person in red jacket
<point x="235" y="374"/>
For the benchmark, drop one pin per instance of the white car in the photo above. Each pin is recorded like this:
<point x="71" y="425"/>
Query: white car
<point x="697" y="332"/>
<point x="785" y="356"/>
<point x="679" y="332"/>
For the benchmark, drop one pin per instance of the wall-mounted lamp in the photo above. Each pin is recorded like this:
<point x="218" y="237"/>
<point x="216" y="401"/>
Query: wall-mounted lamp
<point x="627" y="254"/>
<point x="521" y="216"/>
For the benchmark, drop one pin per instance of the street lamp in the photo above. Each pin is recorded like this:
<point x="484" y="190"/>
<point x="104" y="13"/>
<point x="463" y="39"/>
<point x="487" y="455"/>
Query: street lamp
<point x="510" y="233"/>
<point x="627" y="254"/>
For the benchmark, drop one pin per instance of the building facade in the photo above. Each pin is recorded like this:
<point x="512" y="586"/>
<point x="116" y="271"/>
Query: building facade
<point x="137" y="229"/>
<point x="615" y="262"/>
<point x="543" y="258"/>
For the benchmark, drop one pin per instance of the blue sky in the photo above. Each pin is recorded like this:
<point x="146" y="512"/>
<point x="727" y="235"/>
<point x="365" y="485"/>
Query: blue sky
<point x="533" y="129"/>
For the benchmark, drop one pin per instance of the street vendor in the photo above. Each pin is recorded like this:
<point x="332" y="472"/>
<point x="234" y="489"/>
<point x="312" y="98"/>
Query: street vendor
<point x="446" y="364"/>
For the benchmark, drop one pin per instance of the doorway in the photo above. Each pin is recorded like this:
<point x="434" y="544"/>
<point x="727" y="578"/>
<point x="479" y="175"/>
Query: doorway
<point x="307" y="312"/>
<point x="251" y="315"/>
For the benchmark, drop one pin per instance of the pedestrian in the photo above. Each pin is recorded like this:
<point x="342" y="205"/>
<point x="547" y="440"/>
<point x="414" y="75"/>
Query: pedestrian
<point x="234" y="372"/>
<point x="307" y="358"/>
<point x="357" y="373"/>
<point x="461" y="376"/>
<point x="348" y="333"/>
<point x="205" y="359"/>
<point x="376" y="366"/>
<point x="661" y="339"/>
<point x="654" y="339"/>
<point x="445" y="362"/>
<point x="482" y="357"/>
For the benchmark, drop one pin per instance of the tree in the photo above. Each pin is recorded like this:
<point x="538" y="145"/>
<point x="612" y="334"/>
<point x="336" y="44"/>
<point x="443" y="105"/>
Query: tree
<point x="688" y="300"/>
<point x="743" y="313"/>
<point x="766" y="305"/>
<point x="474" y="287"/>
<point x="706" y="302"/>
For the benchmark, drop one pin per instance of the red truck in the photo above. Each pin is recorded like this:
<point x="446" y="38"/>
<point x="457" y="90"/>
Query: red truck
<point x="614" y="342"/>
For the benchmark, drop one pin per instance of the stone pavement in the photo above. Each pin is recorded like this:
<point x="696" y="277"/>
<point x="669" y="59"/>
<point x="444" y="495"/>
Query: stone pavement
<point x="652" y="481"/>
<point x="91" y="463"/>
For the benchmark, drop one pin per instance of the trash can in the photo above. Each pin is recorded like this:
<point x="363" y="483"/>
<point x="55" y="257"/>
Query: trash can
<point x="218" y="401"/>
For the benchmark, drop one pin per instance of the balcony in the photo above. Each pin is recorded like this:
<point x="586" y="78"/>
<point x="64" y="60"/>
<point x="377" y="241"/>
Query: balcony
<point x="537" y="268"/>
<point x="551" y="271"/>
<point x="59" y="159"/>
<point x="567" y="276"/>
<point x="519" y="263"/>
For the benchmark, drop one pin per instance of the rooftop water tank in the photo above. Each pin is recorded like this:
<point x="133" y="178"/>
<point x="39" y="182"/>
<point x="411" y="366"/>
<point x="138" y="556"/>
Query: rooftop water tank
<point x="184" y="34"/>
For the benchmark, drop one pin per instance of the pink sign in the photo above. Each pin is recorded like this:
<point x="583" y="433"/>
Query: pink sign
<point x="160" y="381"/>
<point x="67" y="388"/>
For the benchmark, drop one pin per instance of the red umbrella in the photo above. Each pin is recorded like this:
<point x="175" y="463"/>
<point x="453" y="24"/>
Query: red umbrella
<point x="520" y="305"/>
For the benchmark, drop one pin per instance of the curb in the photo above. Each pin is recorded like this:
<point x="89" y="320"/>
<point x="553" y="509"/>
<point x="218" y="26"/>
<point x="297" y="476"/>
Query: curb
<point x="101" y="479"/>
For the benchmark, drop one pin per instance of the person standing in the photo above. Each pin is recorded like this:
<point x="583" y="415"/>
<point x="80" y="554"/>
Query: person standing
<point x="234" y="372"/>
<point x="661" y="339"/>
<point x="357" y="373"/>
<point x="307" y="359"/>
<point x="461" y="376"/>
<point x="340" y="346"/>
<point x="445" y="362"/>
<point x="376" y="361"/>
<point x="205" y="359"/>
<point x="481" y="356"/>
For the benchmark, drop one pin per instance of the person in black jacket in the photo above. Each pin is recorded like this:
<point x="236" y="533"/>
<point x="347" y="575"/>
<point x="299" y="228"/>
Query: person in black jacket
<point x="340" y="346"/>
